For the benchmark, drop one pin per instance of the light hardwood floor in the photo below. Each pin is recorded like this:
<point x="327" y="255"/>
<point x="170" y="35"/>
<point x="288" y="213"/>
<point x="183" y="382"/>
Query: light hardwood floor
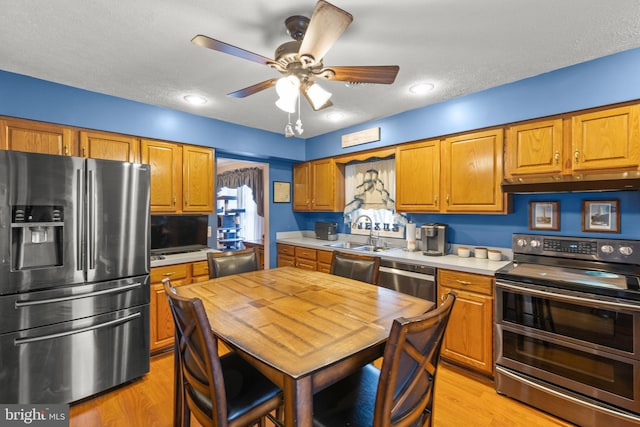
<point x="460" y="401"/>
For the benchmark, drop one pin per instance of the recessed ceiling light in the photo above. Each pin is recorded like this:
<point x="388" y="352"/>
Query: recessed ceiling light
<point x="335" y="116"/>
<point x="421" y="88"/>
<point x="195" y="99"/>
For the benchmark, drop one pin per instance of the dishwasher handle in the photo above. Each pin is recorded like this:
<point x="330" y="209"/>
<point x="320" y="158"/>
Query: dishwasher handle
<point x="399" y="272"/>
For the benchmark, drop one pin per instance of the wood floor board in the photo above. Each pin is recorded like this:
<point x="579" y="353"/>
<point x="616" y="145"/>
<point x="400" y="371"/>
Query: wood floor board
<point x="461" y="400"/>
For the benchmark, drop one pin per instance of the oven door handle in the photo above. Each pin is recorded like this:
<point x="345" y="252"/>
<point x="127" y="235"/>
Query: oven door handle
<point x="406" y="273"/>
<point x="28" y="303"/>
<point x="28" y="340"/>
<point x="568" y="298"/>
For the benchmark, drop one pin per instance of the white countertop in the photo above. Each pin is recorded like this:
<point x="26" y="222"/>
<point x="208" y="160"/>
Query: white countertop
<point x="181" y="258"/>
<point x="451" y="262"/>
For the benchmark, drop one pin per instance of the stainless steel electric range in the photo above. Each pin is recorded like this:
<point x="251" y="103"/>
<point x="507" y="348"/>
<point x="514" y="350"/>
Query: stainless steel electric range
<point x="567" y="324"/>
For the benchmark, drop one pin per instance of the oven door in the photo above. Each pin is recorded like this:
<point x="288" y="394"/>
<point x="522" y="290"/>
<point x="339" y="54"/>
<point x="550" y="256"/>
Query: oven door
<point x="580" y="342"/>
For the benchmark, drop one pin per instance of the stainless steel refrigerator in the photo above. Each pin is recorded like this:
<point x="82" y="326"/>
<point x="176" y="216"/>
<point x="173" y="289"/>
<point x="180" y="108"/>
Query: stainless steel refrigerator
<point x="74" y="276"/>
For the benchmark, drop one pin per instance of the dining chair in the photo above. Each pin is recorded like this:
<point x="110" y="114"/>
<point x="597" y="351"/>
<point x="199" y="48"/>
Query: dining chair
<point x="355" y="266"/>
<point x="232" y="262"/>
<point x="220" y="391"/>
<point x="400" y="393"/>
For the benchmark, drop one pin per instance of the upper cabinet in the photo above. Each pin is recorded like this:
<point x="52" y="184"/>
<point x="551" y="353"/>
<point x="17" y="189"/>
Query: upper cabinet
<point x="197" y="179"/>
<point x="534" y="148"/>
<point x="605" y="139"/>
<point x="459" y="174"/>
<point x="181" y="177"/>
<point x="36" y="137"/>
<point x="109" y="146"/>
<point x="418" y="177"/>
<point x="472" y="172"/>
<point x="318" y="186"/>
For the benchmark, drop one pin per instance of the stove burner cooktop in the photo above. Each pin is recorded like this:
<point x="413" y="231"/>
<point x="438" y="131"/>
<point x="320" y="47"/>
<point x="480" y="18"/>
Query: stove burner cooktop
<point x="598" y="266"/>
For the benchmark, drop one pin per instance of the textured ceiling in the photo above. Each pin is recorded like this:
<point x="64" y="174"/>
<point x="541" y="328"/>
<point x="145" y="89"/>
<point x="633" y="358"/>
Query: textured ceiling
<point x="141" y="49"/>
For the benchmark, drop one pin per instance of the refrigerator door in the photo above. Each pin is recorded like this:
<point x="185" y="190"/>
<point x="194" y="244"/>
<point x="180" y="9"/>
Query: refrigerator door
<point x="117" y="220"/>
<point x="40" y="221"/>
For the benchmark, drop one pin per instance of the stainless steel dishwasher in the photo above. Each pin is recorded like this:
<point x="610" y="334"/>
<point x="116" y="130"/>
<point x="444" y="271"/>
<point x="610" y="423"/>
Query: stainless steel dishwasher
<point x="412" y="279"/>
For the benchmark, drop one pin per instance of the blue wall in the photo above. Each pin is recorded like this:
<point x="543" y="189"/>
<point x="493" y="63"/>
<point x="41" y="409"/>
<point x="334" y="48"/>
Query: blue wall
<point x="603" y="81"/>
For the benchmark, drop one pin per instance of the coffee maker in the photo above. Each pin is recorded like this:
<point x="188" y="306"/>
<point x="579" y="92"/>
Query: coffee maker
<point x="434" y="239"/>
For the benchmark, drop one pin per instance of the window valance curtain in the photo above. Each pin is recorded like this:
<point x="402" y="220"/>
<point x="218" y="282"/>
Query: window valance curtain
<point x="251" y="177"/>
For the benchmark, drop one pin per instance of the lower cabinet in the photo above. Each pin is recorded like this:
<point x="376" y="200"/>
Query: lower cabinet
<point x="305" y="258"/>
<point x="161" y="330"/>
<point x="259" y="247"/>
<point x="468" y="341"/>
<point x="324" y="261"/>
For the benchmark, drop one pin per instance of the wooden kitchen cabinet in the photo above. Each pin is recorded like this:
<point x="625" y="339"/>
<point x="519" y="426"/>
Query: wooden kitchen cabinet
<point x="469" y="338"/>
<point x="318" y="186"/>
<point x="161" y="317"/>
<point x="303" y="257"/>
<point x="534" y="148"/>
<point x="286" y="255"/>
<point x="324" y="260"/>
<point x="109" y="146"/>
<point x="602" y="140"/>
<point x="472" y="171"/>
<point x="306" y="258"/>
<point x="162" y="328"/>
<point x="181" y="177"/>
<point x="606" y="139"/>
<point x="259" y="247"/>
<point x="418" y="177"/>
<point x="197" y="179"/>
<point x="36" y="137"/>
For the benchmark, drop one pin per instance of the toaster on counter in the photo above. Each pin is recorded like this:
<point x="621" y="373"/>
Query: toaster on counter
<point x="327" y="230"/>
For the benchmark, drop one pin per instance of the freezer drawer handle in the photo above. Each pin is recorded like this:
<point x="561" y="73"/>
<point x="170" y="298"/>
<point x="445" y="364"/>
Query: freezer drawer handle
<point x="20" y="341"/>
<point x="27" y="303"/>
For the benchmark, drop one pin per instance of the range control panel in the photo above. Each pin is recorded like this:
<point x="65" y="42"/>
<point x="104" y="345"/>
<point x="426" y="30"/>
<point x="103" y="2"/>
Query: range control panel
<point x="608" y="250"/>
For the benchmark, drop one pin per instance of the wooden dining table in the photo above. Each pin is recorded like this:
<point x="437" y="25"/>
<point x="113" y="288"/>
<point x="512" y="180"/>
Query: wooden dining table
<point x="302" y="329"/>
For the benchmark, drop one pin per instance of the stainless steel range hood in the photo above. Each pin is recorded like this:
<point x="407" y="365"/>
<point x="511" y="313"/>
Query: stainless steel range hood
<point x="628" y="180"/>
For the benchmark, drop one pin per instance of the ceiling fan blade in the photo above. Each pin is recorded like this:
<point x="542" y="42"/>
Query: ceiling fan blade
<point x="243" y="93"/>
<point x="223" y="47"/>
<point x="327" y="24"/>
<point x="382" y="74"/>
<point x="327" y="104"/>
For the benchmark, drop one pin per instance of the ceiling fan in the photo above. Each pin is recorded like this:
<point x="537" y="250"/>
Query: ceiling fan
<point x="300" y="60"/>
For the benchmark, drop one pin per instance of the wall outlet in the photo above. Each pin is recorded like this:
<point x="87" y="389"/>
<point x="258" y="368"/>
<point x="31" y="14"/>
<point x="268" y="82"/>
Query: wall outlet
<point x="209" y="231"/>
<point x="418" y="233"/>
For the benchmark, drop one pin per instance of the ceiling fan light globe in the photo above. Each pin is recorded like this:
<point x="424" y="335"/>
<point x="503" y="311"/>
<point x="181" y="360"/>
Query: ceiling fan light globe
<point x="288" y="105"/>
<point x="288" y="87"/>
<point x="318" y="96"/>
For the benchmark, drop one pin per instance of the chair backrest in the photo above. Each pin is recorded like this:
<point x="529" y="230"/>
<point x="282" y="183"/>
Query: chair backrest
<point x="408" y="372"/>
<point x="197" y="351"/>
<point x="355" y="266"/>
<point x="232" y="262"/>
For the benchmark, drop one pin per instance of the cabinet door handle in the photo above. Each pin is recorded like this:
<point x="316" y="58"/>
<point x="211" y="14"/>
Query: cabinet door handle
<point x="557" y="157"/>
<point x="576" y="156"/>
<point x="435" y="200"/>
<point x="447" y="200"/>
<point x="463" y="282"/>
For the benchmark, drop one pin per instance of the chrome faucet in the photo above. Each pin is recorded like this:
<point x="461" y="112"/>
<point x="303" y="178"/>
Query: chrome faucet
<point x="371" y="239"/>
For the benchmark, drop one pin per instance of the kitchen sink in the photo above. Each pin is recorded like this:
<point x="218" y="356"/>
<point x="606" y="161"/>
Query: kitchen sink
<point x="345" y="245"/>
<point x="357" y="246"/>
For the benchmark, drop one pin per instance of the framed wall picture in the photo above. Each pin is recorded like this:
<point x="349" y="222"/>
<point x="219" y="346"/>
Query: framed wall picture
<point x="601" y="216"/>
<point x="544" y="216"/>
<point x="281" y="192"/>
